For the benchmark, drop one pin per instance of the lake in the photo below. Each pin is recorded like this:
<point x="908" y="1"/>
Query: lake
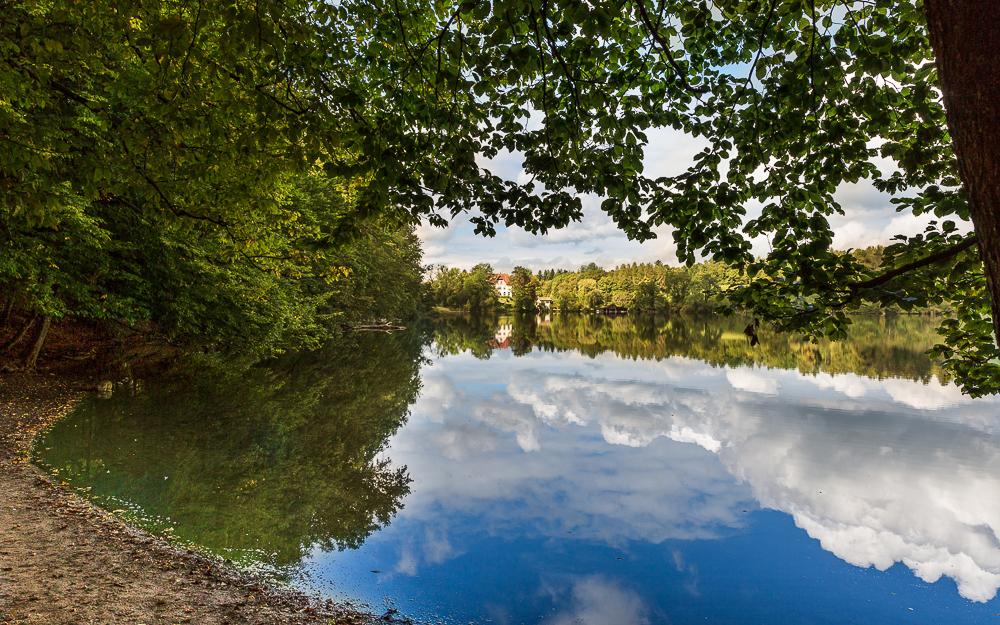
<point x="575" y="469"/>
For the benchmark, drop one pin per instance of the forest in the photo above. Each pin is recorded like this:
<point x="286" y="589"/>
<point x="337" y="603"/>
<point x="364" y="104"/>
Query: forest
<point x="151" y="188"/>
<point x="133" y="272"/>
<point x="647" y="287"/>
<point x="161" y="158"/>
<point x="642" y="287"/>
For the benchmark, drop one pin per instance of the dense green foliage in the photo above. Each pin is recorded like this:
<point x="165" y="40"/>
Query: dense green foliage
<point x="459" y="289"/>
<point x="638" y="287"/>
<point x="260" y="465"/>
<point x="197" y="113"/>
<point x="522" y="287"/>
<point x="108" y="262"/>
<point x="159" y="171"/>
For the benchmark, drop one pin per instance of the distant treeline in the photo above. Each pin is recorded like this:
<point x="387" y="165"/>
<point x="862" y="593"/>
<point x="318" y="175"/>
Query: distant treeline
<point x="642" y="287"/>
<point x="647" y="286"/>
<point x="637" y="286"/>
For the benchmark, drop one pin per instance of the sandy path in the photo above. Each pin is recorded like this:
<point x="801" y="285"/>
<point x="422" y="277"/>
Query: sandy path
<point x="65" y="561"/>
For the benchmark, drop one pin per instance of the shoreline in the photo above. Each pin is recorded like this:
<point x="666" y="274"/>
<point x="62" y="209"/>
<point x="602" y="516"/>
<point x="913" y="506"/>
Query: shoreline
<point x="64" y="560"/>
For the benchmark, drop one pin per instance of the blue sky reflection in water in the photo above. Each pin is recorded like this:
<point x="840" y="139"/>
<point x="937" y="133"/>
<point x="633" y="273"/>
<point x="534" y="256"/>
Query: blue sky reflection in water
<point x="560" y="487"/>
<point x="605" y="490"/>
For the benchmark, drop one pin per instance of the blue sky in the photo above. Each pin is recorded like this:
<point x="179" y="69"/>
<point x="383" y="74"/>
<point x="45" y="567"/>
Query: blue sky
<point x="869" y="219"/>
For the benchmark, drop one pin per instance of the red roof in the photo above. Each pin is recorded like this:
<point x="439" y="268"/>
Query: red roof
<point x="499" y="277"/>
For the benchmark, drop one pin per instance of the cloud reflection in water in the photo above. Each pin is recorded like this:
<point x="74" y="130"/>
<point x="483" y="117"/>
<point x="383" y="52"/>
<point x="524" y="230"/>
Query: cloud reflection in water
<point x="878" y="471"/>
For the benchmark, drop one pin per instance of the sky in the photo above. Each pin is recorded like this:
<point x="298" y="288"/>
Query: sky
<point x="869" y="219"/>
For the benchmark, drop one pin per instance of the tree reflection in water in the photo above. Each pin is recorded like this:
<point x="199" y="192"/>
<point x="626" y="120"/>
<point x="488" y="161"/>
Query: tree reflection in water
<point x="260" y="465"/>
<point x="878" y="347"/>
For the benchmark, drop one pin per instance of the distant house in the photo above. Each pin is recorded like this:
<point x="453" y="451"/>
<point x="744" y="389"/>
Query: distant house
<point x="501" y="282"/>
<point x="544" y="301"/>
<point x="611" y="309"/>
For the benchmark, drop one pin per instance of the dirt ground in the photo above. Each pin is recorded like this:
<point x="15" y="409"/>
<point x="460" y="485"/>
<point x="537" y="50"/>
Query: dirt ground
<point x="64" y="561"/>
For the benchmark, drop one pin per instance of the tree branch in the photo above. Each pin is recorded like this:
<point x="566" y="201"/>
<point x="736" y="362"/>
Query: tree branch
<point x="854" y="289"/>
<point x="944" y="254"/>
<point x="665" y="46"/>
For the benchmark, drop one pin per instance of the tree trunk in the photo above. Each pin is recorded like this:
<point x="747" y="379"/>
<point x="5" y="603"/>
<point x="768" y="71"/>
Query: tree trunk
<point x="8" y="311"/>
<point x="17" y="339"/>
<point x="29" y="362"/>
<point x="965" y="35"/>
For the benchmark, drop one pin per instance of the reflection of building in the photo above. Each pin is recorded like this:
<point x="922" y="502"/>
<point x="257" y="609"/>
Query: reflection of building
<point x="501" y="339"/>
<point x="503" y="332"/>
<point x="501" y="282"/>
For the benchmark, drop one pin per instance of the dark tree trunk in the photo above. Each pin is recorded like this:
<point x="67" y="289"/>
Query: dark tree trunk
<point x="7" y="312"/>
<point x="17" y="339"/>
<point x="965" y="35"/>
<point x="29" y="362"/>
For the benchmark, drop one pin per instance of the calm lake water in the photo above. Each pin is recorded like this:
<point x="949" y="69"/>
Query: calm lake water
<point x="577" y="469"/>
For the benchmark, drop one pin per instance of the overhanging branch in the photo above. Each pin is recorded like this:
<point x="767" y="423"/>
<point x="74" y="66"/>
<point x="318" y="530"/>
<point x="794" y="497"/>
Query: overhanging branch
<point x="665" y="47"/>
<point x="855" y="289"/>
<point x="944" y="254"/>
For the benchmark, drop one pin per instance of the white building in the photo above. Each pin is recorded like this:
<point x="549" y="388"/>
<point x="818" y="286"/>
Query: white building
<point x="501" y="282"/>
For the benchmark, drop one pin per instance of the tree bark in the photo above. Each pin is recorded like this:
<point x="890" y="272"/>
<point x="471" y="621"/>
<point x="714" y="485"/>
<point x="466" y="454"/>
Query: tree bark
<point x="17" y="339"/>
<point x="965" y="35"/>
<point x="29" y="362"/>
<point x="7" y="312"/>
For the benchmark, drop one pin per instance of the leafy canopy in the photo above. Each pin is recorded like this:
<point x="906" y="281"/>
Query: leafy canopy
<point x="795" y="100"/>
<point x="193" y="110"/>
<point x="160" y="163"/>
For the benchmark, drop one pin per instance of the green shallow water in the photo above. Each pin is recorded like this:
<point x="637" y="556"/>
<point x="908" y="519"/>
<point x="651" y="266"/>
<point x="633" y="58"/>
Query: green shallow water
<point x="256" y="467"/>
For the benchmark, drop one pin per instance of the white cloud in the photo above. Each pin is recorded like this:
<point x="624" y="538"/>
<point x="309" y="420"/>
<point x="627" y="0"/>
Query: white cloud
<point x="746" y="379"/>
<point x="599" y="601"/>
<point x="925" y="396"/>
<point x="606" y="451"/>
<point x="851" y="385"/>
<point x="595" y="238"/>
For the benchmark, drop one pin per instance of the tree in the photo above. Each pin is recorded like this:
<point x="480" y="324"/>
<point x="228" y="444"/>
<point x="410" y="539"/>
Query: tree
<point x="566" y="300"/>
<point x="625" y="299"/>
<point x="795" y="99"/>
<point x="608" y="285"/>
<point x="588" y="293"/>
<point x="645" y="295"/>
<point x="675" y="283"/>
<point x="196" y="108"/>
<point x="522" y="286"/>
<point x="481" y="294"/>
<point x="160" y="163"/>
